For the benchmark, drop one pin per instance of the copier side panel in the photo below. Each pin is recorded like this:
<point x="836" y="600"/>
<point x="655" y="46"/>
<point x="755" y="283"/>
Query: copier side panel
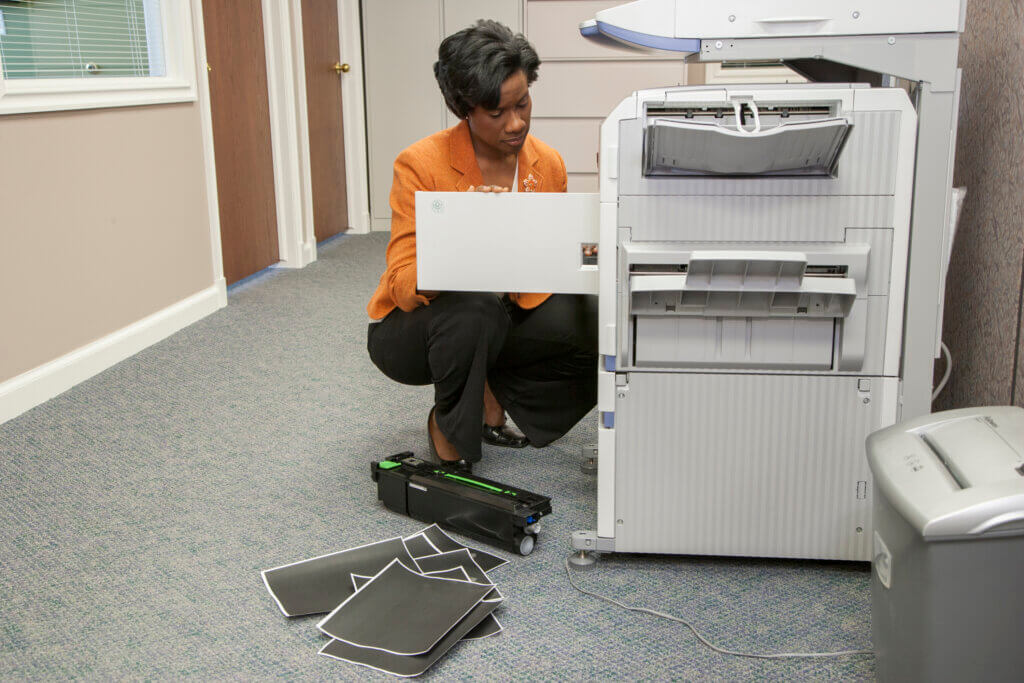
<point x="769" y="465"/>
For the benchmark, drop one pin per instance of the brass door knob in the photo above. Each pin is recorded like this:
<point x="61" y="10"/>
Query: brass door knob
<point x="340" y="68"/>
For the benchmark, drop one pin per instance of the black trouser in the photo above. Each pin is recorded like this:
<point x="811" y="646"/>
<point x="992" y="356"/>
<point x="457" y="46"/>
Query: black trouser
<point x="541" y="364"/>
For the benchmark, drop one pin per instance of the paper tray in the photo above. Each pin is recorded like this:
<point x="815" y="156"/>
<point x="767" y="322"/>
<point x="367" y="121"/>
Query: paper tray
<point x="800" y="148"/>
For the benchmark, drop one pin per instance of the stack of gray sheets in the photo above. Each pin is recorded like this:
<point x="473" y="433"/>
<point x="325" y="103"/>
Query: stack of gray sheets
<point x="397" y="605"/>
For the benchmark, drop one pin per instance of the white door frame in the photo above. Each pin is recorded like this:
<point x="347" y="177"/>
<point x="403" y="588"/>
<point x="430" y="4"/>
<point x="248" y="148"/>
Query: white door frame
<point x="206" y="123"/>
<point x="289" y="132"/>
<point x="357" y="181"/>
<point x="286" y="70"/>
<point x="289" y="129"/>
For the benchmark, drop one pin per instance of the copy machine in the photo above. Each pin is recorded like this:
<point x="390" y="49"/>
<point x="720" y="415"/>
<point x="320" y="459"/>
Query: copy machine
<point x="770" y="270"/>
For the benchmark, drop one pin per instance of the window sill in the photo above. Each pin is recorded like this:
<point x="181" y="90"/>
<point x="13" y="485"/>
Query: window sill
<point x="34" y="96"/>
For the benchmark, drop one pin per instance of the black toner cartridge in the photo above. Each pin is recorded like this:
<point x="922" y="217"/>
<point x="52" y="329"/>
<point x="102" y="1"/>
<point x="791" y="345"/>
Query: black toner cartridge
<point x="486" y="510"/>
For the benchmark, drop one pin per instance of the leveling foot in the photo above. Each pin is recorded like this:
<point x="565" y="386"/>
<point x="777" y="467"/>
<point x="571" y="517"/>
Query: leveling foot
<point x="582" y="559"/>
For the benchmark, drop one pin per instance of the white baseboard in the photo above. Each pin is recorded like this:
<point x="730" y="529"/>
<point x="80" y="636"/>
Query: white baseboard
<point x="362" y="225"/>
<point x="305" y="256"/>
<point x="308" y="253"/>
<point x="40" y="384"/>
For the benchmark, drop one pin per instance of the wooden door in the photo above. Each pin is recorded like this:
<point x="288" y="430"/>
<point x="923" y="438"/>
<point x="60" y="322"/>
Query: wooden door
<point x="241" y="136"/>
<point x="322" y="50"/>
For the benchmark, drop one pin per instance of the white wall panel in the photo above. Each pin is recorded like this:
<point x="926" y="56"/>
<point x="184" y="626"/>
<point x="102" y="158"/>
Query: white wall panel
<point x="459" y="14"/>
<point x="403" y="104"/>
<point x="583" y="182"/>
<point x="575" y="140"/>
<point x="592" y="89"/>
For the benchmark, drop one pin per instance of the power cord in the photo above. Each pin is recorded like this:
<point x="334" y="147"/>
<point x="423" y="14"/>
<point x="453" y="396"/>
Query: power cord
<point x="945" y="375"/>
<point x="705" y="641"/>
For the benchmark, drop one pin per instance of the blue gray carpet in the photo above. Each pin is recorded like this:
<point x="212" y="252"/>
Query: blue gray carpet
<point x="138" y="509"/>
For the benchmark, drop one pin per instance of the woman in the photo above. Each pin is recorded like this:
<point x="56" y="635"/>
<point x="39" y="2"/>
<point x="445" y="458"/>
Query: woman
<point x="532" y="355"/>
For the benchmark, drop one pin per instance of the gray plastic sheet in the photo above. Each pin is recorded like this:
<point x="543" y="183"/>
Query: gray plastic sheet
<point x="456" y="558"/>
<point x="403" y="612"/>
<point x="320" y="584"/>
<point x="408" y="666"/>
<point x="444" y="543"/>
<point x="490" y="626"/>
<point x="433" y="592"/>
<point x="419" y="545"/>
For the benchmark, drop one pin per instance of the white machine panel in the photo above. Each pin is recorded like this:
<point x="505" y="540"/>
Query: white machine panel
<point x="758" y="19"/>
<point x="509" y="242"/>
<point x="745" y="464"/>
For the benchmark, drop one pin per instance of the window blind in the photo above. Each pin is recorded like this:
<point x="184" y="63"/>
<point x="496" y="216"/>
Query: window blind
<point x="81" y="38"/>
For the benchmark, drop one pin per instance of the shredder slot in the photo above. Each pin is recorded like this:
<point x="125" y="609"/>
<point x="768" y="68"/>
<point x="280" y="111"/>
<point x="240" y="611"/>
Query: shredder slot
<point x="973" y="452"/>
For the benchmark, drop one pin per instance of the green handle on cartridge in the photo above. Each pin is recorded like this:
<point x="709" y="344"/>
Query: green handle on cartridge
<point x="472" y="482"/>
<point x="388" y="465"/>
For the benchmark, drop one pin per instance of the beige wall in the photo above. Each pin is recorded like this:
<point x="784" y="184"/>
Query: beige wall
<point x="983" y="291"/>
<point x="403" y="102"/>
<point x="103" y="221"/>
<point x="581" y="81"/>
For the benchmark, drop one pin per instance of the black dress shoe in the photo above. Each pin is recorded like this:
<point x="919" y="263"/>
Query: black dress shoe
<point x="458" y="466"/>
<point x="455" y="466"/>
<point x="504" y="436"/>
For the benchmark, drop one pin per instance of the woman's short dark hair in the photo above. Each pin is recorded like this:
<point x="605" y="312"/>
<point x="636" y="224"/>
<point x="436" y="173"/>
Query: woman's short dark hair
<point x="473" y="63"/>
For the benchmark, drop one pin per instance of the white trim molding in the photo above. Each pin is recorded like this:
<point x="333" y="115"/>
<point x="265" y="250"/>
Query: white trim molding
<point x="289" y="132"/>
<point x="40" y="384"/>
<point x="209" y="157"/>
<point x="24" y="96"/>
<point x="357" y="182"/>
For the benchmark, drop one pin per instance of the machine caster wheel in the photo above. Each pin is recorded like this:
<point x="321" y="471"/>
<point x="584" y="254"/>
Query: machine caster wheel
<point x="526" y="544"/>
<point x="583" y="559"/>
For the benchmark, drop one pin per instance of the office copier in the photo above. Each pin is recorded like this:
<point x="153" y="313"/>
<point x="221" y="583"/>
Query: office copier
<point x="770" y="269"/>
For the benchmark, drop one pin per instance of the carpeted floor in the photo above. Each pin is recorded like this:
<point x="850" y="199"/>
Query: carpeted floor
<point x="138" y="509"/>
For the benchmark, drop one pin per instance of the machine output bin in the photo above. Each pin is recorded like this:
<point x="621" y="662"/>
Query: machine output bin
<point x="949" y="546"/>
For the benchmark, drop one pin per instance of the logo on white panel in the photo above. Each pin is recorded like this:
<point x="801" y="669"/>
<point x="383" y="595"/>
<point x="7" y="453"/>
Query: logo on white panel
<point x="437" y="206"/>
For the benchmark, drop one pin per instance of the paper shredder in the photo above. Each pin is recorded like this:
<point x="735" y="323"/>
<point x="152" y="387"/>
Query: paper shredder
<point x="948" y="557"/>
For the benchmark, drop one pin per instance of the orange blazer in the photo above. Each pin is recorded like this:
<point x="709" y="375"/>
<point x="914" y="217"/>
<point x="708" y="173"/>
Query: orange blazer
<point x="445" y="162"/>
